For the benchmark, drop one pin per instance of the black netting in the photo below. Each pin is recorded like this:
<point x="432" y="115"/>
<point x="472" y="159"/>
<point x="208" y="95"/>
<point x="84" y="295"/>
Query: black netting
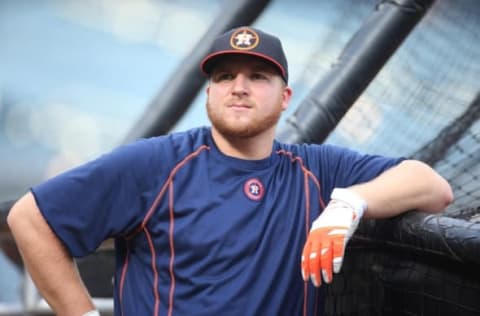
<point x="391" y="281"/>
<point x="424" y="102"/>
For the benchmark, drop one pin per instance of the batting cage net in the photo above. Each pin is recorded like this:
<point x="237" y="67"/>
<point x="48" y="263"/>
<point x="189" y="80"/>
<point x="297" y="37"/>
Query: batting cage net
<point x="423" y="104"/>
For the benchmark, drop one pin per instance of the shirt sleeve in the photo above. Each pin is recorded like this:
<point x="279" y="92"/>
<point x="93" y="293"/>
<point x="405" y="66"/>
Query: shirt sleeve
<point x="343" y="167"/>
<point x="101" y="199"/>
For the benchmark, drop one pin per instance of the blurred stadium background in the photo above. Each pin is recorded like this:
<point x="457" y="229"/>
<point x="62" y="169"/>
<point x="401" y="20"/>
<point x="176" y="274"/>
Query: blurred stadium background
<point x="76" y="78"/>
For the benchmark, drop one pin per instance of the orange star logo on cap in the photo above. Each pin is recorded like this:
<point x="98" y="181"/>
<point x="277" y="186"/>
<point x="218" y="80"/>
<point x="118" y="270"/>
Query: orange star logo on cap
<point x="244" y="39"/>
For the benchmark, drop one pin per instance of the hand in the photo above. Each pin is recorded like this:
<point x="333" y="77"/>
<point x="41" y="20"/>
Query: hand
<point x="330" y="232"/>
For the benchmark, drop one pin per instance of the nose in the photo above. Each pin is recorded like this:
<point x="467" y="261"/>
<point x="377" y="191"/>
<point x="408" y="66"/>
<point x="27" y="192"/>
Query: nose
<point x="240" y="85"/>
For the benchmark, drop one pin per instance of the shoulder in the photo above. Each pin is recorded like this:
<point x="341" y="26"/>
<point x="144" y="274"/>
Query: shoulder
<point x="314" y="150"/>
<point x="191" y="138"/>
<point x="332" y="156"/>
<point x="154" y="152"/>
<point x="181" y="142"/>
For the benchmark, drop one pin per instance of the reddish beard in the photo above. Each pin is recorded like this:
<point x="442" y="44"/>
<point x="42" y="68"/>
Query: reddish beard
<point x="256" y="126"/>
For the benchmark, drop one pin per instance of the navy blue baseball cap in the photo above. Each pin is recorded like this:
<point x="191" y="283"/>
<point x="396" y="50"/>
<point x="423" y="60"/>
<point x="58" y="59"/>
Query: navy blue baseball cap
<point x="249" y="41"/>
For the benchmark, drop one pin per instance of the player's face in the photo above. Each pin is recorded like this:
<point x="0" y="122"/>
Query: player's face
<point x="246" y="96"/>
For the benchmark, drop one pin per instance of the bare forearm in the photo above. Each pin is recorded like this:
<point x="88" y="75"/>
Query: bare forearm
<point x="51" y="267"/>
<point x="410" y="185"/>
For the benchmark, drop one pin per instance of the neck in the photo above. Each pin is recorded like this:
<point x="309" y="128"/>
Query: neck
<point x="250" y="148"/>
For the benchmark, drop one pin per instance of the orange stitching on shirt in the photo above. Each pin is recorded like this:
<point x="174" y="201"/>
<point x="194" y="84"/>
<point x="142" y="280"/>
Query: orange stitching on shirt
<point x="307" y="175"/>
<point x="142" y="227"/>
<point x="155" y="272"/>
<point x="172" y="250"/>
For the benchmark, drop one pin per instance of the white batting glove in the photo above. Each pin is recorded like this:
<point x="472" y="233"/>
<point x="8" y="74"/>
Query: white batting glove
<point x="92" y="313"/>
<point x="330" y="232"/>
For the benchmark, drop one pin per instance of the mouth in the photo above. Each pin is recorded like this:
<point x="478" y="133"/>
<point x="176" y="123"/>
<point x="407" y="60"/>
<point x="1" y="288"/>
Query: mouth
<point x="239" y="106"/>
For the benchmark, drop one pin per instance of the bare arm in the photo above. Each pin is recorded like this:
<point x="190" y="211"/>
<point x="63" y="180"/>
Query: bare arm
<point x="50" y="265"/>
<point x="410" y="185"/>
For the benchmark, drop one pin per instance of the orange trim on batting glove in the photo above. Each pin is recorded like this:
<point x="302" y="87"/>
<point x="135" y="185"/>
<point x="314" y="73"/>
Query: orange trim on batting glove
<point x="325" y="246"/>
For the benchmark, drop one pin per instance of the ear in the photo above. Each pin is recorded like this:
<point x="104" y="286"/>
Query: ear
<point x="286" y="96"/>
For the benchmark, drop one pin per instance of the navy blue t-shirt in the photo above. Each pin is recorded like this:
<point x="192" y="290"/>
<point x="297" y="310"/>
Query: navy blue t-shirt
<point x="198" y="232"/>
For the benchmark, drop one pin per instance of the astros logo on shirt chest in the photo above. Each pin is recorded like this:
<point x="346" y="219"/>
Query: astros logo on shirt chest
<point x="254" y="189"/>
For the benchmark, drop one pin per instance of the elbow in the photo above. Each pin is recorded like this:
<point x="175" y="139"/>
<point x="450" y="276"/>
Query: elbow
<point x="11" y="217"/>
<point x="14" y="219"/>
<point x="447" y="195"/>
<point x="442" y="196"/>
<point x="19" y="218"/>
<point x="436" y="191"/>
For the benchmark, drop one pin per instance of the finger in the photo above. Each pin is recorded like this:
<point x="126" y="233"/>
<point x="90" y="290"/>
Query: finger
<point x="314" y="264"/>
<point x="338" y="253"/>
<point x="305" y="262"/>
<point x="326" y="262"/>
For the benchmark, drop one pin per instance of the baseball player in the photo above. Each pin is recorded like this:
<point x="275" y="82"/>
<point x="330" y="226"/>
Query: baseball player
<point x="220" y="220"/>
